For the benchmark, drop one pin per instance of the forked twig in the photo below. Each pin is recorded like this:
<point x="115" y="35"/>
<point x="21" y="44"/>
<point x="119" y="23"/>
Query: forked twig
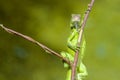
<point x="80" y="39"/>
<point x="48" y="50"/>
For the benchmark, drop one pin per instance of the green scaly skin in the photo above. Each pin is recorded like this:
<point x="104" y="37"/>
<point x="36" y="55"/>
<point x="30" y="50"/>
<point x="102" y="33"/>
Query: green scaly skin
<point x="81" y="71"/>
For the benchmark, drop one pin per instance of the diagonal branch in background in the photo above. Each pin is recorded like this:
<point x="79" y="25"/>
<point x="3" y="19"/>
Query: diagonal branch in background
<point x="48" y="50"/>
<point x="80" y="39"/>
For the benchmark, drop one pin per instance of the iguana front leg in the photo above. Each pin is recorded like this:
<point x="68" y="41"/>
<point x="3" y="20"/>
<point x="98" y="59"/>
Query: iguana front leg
<point x="71" y="42"/>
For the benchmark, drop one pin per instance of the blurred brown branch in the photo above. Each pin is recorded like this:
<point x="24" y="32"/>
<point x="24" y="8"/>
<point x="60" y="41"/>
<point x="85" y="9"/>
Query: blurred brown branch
<point x="48" y="50"/>
<point x="80" y="39"/>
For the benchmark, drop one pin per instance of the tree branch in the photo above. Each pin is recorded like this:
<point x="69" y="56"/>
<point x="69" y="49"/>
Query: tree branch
<point x="48" y="50"/>
<point x="80" y="39"/>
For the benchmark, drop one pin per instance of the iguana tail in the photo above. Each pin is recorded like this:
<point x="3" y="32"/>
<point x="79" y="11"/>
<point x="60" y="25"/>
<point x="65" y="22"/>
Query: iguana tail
<point x="68" y="76"/>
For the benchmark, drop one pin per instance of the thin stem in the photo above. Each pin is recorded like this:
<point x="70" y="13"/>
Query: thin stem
<point x="80" y="39"/>
<point x="48" y="50"/>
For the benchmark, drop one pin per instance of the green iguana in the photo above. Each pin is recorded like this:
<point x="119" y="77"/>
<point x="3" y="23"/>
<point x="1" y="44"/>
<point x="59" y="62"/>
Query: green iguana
<point x="81" y="71"/>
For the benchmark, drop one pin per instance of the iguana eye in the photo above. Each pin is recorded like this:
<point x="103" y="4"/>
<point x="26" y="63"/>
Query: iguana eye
<point x="71" y="27"/>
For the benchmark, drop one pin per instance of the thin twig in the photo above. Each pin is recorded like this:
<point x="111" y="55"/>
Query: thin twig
<point x="48" y="50"/>
<point x="80" y="39"/>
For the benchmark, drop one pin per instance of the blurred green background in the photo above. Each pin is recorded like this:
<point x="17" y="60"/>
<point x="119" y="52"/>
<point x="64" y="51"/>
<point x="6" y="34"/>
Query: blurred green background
<point x="48" y="22"/>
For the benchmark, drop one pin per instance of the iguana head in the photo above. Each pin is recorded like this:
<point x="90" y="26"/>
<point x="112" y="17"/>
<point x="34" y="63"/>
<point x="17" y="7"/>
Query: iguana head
<point x="75" y="21"/>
